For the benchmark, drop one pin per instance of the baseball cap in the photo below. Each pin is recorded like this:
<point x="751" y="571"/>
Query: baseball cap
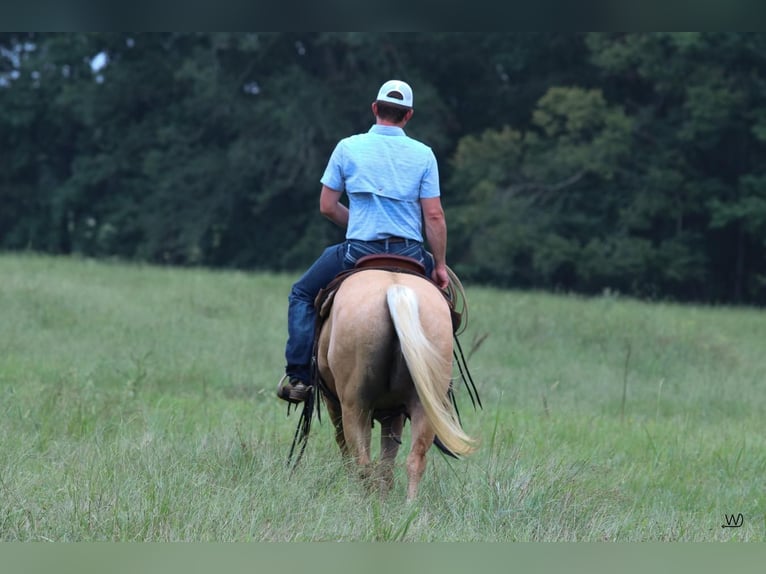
<point x="397" y="93"/>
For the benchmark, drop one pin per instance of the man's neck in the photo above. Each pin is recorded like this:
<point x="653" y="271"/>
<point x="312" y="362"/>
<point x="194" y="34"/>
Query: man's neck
<point x="381" y="122"/>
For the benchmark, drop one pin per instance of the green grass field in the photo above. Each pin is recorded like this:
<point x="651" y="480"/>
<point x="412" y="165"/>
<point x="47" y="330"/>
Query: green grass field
<point x="137" y="404"/>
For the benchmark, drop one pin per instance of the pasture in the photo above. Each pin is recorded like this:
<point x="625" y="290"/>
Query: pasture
<point x="137" y="404"/>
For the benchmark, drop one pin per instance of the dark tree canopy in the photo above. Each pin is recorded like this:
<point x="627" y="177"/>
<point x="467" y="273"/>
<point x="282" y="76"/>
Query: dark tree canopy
<point x="576" y="162"/>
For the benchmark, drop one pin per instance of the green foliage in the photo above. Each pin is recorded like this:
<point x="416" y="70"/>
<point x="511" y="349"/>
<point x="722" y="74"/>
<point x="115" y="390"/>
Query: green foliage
<point x="543" y="194"/>
<point x="572" y="161"/>
<point x="642" y="185"/>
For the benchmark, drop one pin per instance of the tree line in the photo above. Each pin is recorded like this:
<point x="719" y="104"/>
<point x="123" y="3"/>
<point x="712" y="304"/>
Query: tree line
<point x="580" y="162"/>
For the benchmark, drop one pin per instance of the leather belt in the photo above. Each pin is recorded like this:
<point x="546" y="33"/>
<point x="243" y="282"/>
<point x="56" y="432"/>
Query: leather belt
<point x="391" y="240"/>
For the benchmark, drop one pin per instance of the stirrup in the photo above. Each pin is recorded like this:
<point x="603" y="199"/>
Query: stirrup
<point x="294" y="391"/>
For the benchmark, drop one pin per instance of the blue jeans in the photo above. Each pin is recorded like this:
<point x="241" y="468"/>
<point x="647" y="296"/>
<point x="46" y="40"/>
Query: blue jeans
<point x="336" y="258"/>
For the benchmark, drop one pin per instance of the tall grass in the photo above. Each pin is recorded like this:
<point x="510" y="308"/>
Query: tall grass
<point x="137" y="404"/>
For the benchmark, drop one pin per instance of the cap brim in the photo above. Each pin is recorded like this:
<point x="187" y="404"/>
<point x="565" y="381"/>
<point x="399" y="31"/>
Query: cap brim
<point x="395" y="105"/>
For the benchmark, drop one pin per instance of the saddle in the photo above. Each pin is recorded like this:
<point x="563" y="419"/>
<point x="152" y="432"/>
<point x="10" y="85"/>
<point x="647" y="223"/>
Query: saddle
<point x="383" y="262"/>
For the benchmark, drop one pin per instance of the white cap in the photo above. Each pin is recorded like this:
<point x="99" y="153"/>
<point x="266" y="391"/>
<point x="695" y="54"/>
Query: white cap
<point x="397" y="93"/>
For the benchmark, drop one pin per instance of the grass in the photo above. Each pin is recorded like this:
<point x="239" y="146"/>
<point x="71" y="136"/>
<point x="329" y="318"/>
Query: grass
<point x="136" y="404"/>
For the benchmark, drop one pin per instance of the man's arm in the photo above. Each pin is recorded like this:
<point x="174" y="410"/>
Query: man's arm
<point x="436" y="234"/>
<point x="331" y="207"/>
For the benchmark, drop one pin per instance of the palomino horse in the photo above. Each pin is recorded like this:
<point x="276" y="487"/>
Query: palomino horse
<point x="385" y="353"/>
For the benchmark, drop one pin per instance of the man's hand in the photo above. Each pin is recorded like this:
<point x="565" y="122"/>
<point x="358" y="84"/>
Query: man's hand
<point x="440" y="276"/>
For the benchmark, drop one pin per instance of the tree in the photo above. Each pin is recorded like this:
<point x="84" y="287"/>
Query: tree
<point x="568" y="160"/>
<point x="539" y="196"/>
<point x="650" y="183"/>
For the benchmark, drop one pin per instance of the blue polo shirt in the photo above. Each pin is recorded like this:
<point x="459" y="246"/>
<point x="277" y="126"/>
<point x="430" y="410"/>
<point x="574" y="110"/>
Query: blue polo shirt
<point x="385" y="174"/>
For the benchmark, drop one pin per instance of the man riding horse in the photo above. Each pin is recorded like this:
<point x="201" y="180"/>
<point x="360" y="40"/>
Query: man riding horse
<point x="392" y="182"/>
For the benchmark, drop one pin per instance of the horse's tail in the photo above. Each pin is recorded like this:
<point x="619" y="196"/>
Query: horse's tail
<point x="426" y="367"/>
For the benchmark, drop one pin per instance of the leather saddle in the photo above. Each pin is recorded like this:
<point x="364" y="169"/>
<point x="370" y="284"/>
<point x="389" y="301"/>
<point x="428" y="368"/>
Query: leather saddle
<point x="383" y="262"/>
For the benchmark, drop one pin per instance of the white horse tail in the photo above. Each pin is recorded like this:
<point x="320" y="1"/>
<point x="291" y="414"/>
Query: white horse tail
<point x="426" y="367"/>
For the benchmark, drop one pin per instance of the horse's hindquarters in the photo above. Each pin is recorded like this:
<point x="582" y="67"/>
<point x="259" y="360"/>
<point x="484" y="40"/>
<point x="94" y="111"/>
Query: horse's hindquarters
<point x="357" y="346"/>
<point x="371" y="364"/>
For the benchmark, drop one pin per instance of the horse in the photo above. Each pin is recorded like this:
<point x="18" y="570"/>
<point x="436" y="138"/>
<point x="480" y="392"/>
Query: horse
<point x="385" y="353"/>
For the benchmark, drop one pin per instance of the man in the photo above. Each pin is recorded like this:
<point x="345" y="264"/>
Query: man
<point x="392" y="182"/>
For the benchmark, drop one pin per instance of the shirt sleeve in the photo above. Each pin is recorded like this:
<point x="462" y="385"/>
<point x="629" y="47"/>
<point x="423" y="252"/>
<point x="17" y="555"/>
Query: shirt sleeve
<point x="429" y="185"/>
<point x="333" y="174"/>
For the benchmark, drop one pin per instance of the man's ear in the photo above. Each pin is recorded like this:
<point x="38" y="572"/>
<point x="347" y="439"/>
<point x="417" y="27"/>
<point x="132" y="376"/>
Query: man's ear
<point x="375" y="109"/>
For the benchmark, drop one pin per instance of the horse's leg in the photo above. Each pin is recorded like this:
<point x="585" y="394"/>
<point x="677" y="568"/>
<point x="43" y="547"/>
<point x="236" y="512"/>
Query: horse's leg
<point x="390" y="439"/>
<point x="328" y="376"/>
<point x="422" y="438"/>
<point x="336" y="417"/>
<point x="357" y="430"/>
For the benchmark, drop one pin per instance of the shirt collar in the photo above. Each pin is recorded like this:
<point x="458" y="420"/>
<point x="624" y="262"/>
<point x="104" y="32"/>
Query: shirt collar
<point x="386" y="130"/>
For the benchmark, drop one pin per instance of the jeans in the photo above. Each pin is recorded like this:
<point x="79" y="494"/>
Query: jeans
<point x="336" y="258"/>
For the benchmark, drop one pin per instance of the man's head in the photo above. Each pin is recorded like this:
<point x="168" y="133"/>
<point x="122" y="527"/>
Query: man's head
<point x="394" y="102"/>
<point x="397" y="93"/>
